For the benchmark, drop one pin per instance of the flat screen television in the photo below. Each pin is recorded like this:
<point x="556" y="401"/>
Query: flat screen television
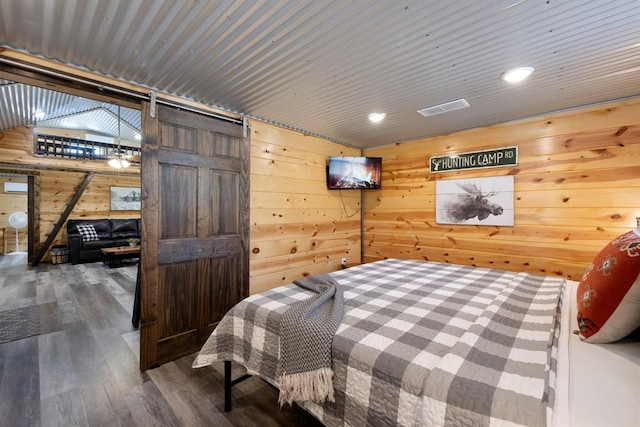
<point x="354" y="173"/>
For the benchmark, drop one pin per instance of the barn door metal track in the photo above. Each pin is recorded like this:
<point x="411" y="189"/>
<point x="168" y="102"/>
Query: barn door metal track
<point x="104" y="88"/>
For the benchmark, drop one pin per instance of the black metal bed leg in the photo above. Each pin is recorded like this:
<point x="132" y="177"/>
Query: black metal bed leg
<point x="227" y="386"/>
<point x="228" y="383"/>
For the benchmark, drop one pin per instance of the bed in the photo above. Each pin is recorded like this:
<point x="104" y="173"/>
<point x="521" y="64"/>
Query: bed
<point x="424" y="343"/>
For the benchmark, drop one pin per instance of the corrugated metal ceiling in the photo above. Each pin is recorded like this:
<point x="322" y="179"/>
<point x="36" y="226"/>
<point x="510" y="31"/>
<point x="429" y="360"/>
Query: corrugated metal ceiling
<point x="19" y="104"/>
<point x="322" y="66"/>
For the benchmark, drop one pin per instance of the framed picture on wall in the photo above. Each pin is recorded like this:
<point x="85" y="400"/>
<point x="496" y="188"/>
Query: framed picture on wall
<point x="125" y="198"/>
<point x="475" y="201"/>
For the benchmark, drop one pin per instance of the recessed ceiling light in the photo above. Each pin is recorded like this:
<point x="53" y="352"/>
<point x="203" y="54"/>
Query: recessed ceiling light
<point x="376" y="117"/>
<point x="517" y="75"/>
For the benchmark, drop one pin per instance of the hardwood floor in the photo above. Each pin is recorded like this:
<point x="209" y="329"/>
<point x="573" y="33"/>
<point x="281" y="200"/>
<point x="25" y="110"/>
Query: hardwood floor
<point x="82" y="370"/>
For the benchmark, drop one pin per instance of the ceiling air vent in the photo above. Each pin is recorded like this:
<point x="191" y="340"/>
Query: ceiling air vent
<point x="444" y="108"/>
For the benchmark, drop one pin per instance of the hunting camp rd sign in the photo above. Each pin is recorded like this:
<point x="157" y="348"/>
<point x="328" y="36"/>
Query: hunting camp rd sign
<point x="499" y="157"/>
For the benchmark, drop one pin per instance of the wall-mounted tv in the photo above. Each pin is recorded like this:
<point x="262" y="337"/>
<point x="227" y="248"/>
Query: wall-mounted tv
<point x="354" y="173"/>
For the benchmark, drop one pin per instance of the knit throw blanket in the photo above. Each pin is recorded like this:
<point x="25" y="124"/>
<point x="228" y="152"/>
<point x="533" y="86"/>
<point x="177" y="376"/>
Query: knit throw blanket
<point x="306" y="332"/>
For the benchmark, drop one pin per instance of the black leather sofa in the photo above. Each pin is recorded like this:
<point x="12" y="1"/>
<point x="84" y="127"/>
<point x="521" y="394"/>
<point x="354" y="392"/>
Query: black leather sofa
<point x="110" y="233"/>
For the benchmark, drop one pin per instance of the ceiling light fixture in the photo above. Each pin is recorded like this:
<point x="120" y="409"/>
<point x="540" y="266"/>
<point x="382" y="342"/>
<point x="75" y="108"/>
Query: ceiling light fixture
<point x="119" y="162"/>
<point x="376" y="117"/>
<point x="39" y="115"/>
<point x="517" y="75"/>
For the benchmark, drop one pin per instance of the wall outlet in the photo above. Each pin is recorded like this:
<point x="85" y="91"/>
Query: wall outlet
<point x="343" y="262"/>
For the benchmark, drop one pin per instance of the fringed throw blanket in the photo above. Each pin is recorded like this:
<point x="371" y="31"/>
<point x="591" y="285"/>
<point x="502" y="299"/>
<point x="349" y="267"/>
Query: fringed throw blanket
<point x="306" y="333"/>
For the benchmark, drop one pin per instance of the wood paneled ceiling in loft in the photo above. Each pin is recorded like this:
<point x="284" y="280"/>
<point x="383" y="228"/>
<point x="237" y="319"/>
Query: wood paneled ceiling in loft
<point x="322" y="66"/>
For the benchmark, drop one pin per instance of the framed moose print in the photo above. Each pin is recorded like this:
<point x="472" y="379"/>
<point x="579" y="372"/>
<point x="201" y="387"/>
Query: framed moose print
<point x="475" y="201"/>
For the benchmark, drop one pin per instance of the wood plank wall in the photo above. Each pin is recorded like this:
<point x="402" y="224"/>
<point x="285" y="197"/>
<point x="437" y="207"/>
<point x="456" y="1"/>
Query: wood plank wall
<point x="298" y="227"/>
<point x="56" y="186"/>
<point x="577" y="186"/>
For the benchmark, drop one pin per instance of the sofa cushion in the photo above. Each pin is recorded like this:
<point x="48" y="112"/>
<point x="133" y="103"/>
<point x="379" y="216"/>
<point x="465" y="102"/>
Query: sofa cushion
<point x="123" y="228"/>
<point x="102" y="226"/>
<point x="88" y="232"/>
<point x="98" y="244"/>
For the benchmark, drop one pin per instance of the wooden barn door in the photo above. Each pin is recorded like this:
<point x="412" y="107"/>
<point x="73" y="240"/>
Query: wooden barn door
<point x="195" y="229"/>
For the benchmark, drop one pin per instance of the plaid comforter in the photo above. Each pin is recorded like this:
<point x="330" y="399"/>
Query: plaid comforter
<point x="420" y="343"/>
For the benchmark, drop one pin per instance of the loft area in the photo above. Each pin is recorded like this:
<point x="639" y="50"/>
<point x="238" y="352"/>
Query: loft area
<point x="72" y="148"/>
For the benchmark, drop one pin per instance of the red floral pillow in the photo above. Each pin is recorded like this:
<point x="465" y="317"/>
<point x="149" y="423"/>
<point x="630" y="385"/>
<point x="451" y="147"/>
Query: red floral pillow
<point x="608" y="295"/>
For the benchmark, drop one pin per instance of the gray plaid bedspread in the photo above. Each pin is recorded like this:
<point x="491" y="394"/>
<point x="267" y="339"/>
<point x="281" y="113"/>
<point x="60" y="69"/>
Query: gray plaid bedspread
<point x="420" y="344"/>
